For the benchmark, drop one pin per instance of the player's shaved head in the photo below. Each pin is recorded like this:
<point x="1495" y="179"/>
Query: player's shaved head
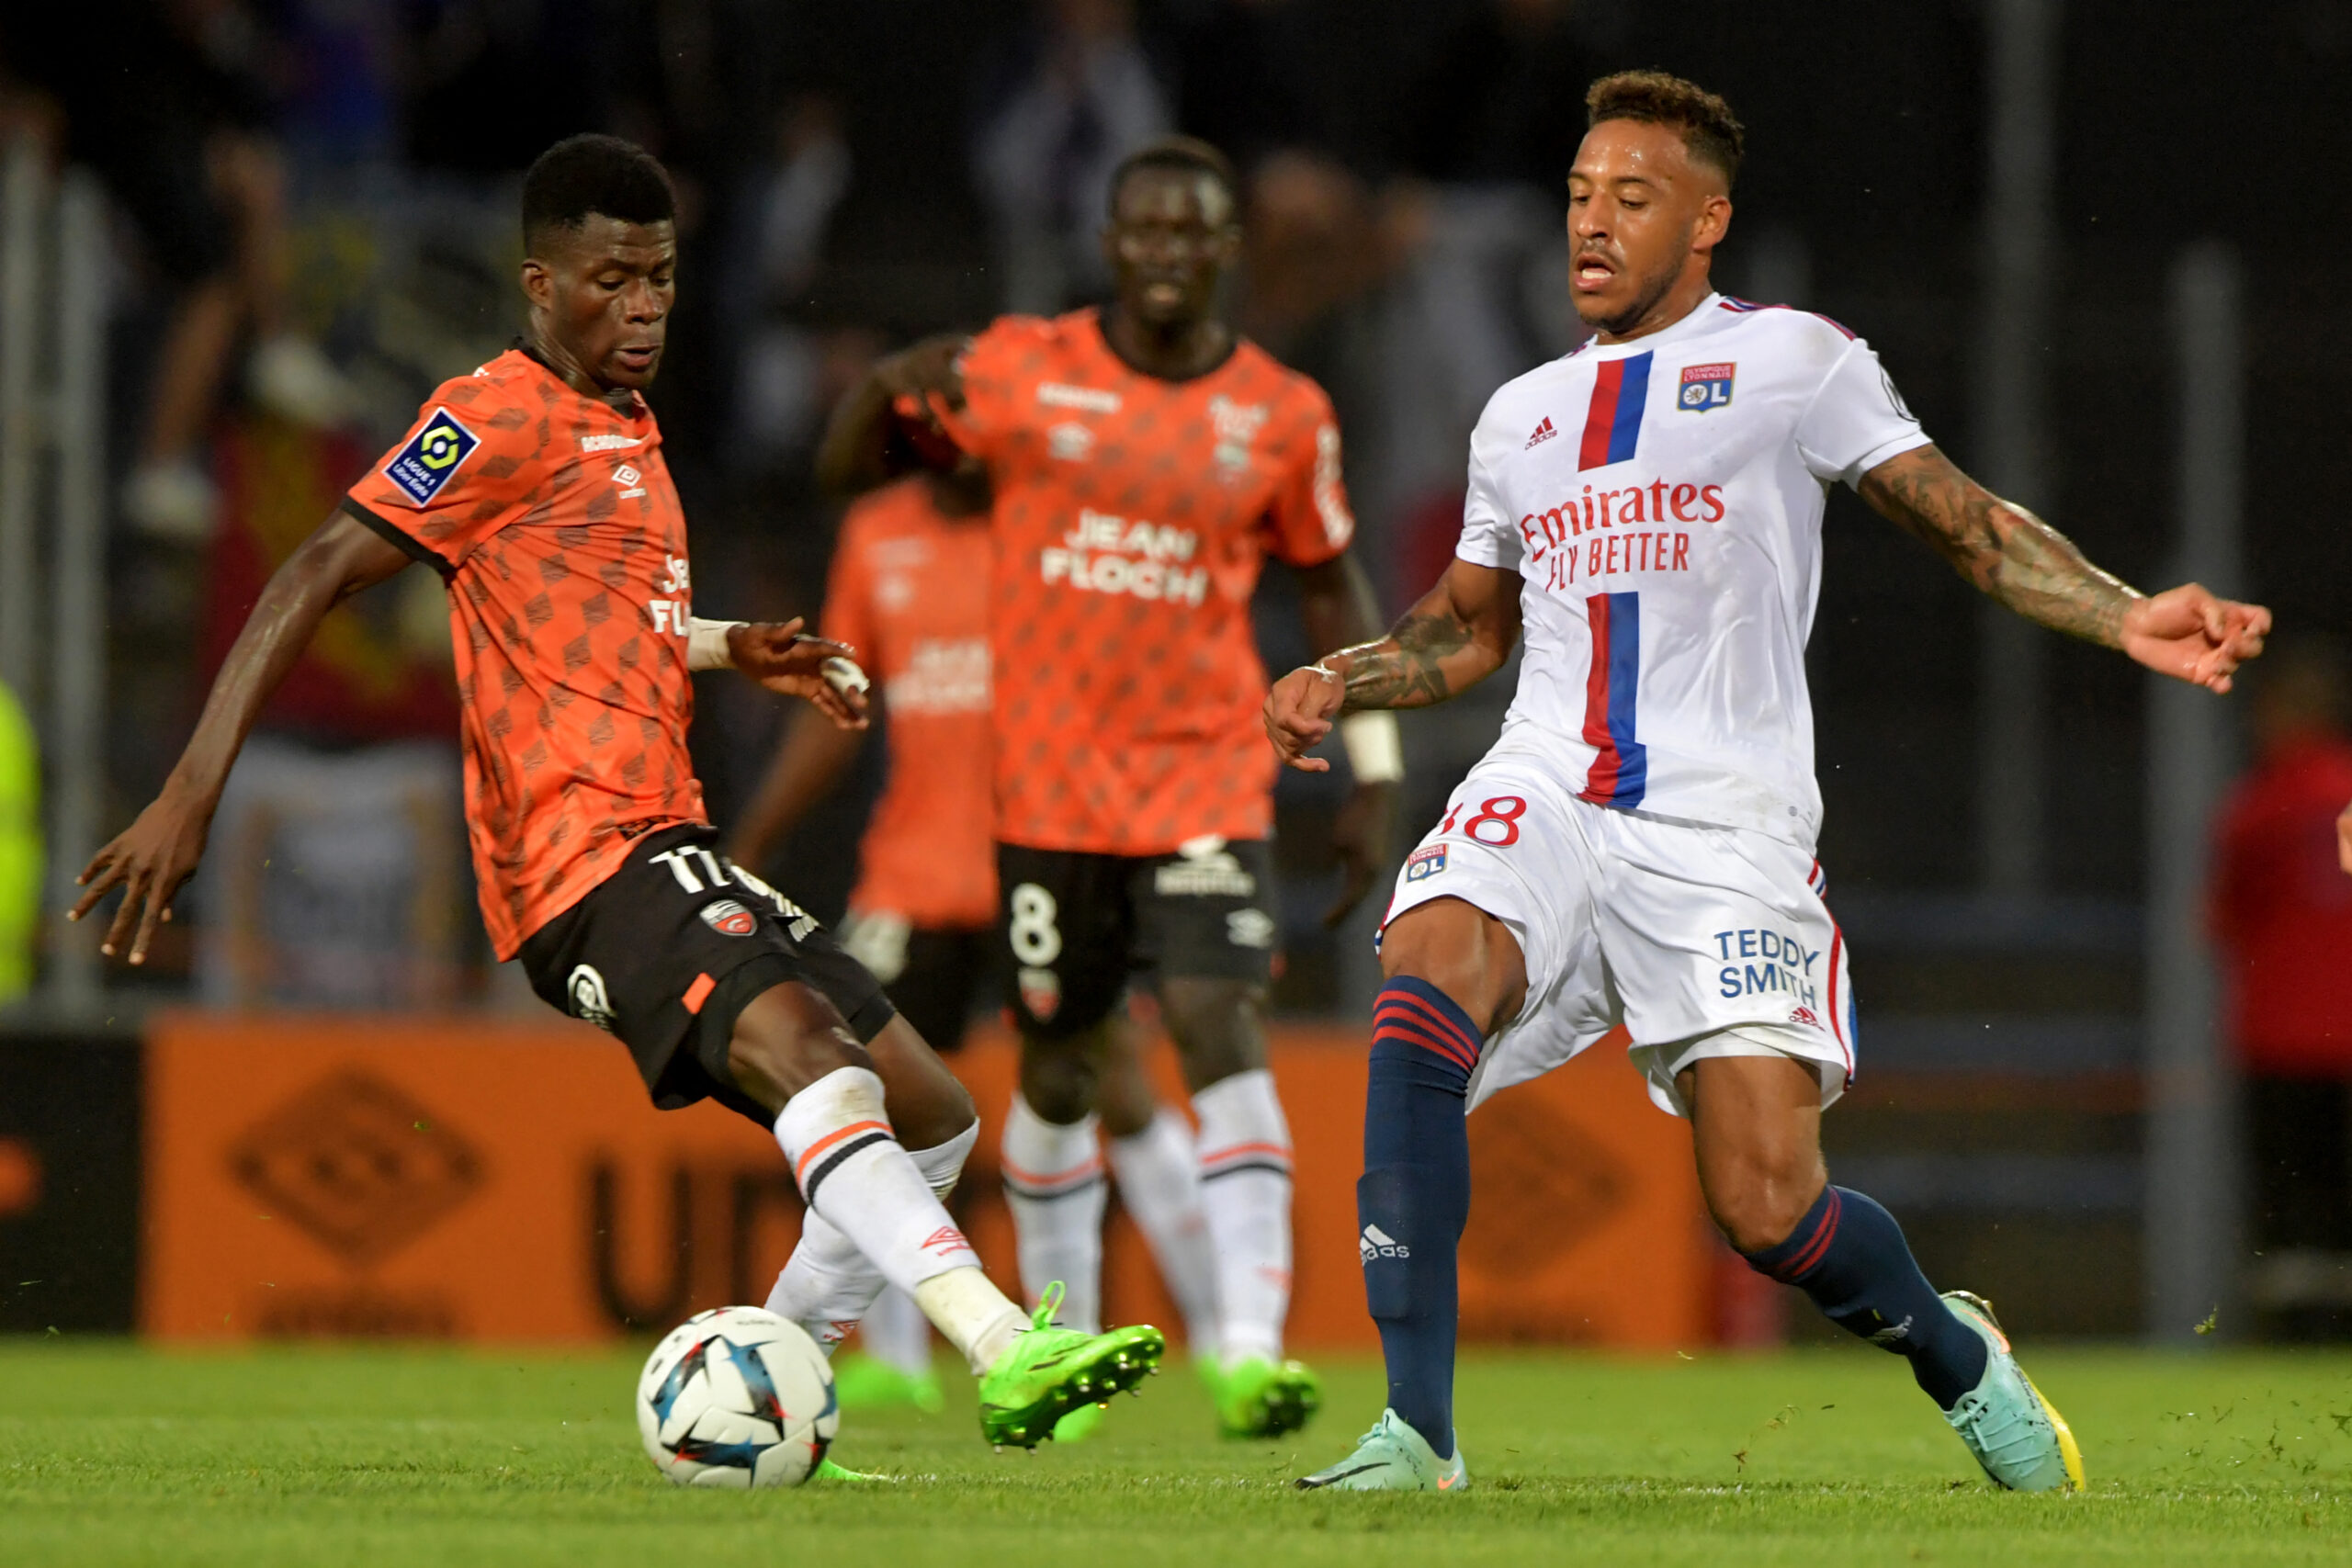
<point x="1649" y="198"/>
<point x="585" y="176"/>
<point x="1181" y="155"/>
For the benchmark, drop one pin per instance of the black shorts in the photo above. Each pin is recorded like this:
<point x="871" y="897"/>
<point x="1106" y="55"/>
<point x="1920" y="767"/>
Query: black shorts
<point x="936" y="974"/>
<point x="671" y="947"/>
<point x="1075" y="926"/>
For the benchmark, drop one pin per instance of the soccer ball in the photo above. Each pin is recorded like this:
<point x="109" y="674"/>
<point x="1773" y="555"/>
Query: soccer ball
<point x="737" y="1396"/>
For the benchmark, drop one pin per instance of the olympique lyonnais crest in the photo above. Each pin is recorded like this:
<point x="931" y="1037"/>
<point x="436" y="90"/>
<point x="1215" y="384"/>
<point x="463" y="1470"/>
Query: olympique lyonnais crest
<point x="1706" y="387"/>
<point x="729" y="918"/>
<point x="1422" y="865"/>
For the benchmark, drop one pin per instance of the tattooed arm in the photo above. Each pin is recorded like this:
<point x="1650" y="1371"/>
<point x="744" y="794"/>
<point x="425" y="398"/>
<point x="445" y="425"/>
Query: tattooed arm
<point x="2024" y="563"/>
<point x="1458" y="634"/>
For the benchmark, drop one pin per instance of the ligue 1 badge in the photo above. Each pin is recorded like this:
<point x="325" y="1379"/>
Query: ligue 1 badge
<point x="432" y="455"/>
<point x="1706" y="387"/>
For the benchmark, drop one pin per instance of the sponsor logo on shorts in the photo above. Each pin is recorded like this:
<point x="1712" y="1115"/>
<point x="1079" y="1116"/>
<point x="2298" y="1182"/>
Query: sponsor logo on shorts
<point x="1249" y="927"/>
<point x="729" y="918"/>
<point x="1422" y="865"/>
<point x="1804" y="1016"/>
<point x="1757" y="961"/>
<point x="589" y="1000"/>
<point x="432" y="457"/>
<point x="1377" y="1243"/>
<point x="1204" y="868"/>
<point x="1041" y="993"/>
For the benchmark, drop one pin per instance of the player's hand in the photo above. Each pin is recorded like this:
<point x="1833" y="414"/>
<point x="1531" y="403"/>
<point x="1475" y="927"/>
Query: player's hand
<point x="1361" y="836"/>
<point x="2343" y="840"/>
<point x="2189" y="634"/>
<point x="925" y="371"/>
<point x="150" y="861"/>
<point x="778" y="657"/>
<point x="1300" y="712"/>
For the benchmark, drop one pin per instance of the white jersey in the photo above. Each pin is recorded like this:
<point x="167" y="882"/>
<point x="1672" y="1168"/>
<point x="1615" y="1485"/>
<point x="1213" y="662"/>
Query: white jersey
<point x="1662" y="500"/>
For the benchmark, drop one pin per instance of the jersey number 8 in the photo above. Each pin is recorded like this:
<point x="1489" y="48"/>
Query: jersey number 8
<point x="1036" y="941"/>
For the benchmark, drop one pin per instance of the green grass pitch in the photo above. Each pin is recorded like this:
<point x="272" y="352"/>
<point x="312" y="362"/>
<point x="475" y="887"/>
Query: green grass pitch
<point x="111" y="1454"/>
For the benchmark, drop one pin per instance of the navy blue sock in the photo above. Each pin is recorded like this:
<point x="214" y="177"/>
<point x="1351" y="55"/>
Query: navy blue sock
<point x="1414" y="1197"/>
<point x="1849" y="1255"/>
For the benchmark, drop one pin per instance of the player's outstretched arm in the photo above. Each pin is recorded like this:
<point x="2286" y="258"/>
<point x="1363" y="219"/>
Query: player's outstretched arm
<point x="1461" y="632"/>
<point x="854" y="455"/>
<point x="158" y="853"/>
<point x="2023" y="562"/>
<point x="1337" y="603"/>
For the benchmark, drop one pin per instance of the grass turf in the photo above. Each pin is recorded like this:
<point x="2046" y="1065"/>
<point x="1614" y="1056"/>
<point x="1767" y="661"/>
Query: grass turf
<point x="112" y="1454"/>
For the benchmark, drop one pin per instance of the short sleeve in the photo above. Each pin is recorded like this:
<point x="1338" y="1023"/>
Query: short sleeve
<point x="1308" y="522"/>
<point x="1488" y="538"/>
<point x="992" y="367"/>
<point x="457" y="477"/>
<point x="1857" y="419"/>
<point x="848" y="614"/>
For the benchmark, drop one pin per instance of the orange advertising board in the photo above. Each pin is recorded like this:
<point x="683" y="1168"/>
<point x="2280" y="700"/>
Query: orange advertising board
<point x="479" y="1180"/>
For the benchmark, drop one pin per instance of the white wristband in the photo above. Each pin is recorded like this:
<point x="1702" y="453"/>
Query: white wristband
<point x="707" y="643"/>
<point x="1375" y="751"/>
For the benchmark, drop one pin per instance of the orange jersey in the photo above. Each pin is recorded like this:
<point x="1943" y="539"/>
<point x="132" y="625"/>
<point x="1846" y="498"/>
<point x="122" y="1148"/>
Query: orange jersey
<point x="910" y="591"/>
<point x="1132" y="516"/>
<point x="552" y="518"/>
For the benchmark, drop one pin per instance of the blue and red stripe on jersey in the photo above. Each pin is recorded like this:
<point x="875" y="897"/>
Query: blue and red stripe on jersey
<point x="1613" y="425"/>
<point x="1620" y="772"/>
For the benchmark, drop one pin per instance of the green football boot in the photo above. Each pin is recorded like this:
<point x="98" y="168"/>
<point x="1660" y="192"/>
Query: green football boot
<point x="1079" y="1424"/>
<point x="1258" y="1398"/>
<point x="1391" y="1458"/>
<point x="1046" y="1372"/>
<point x="827" y="1470"/>
<point x="2016" y="1434"/>
<point x="865" y="1382"/>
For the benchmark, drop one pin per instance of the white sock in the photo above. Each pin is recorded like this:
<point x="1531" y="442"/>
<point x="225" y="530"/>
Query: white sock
<point x="896" y="1334"/>
<point x="1160" y="1182"/>
<point x="852" y="1173"/>
<point x="828" y="1285"/>
<point x="1053" y="1182"/>
<point x="1245" y="1195"/>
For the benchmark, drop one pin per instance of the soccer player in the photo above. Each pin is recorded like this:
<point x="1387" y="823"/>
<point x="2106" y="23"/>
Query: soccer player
<point x="1146" y="459"/>
<point x="1638" y="846"/>
<point x="910" y="589"/>
<point x="536" y="488"/>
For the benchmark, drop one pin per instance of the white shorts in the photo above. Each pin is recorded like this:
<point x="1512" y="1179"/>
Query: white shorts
<point x="1702" y="940"/>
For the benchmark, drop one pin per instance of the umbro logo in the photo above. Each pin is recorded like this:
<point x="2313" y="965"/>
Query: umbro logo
<point x="1377" y="1243"/>
<point x="946" y="1239"/>
<point x="1544" y="431"/>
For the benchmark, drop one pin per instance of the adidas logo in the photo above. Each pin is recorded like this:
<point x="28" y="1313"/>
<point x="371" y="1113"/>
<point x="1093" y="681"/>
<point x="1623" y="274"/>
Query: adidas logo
<point x="1377" y="1243"/>
<point x="1544" y="431"/>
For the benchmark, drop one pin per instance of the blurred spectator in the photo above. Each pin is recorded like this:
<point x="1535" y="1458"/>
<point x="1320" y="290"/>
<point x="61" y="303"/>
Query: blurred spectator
<point x="20" y="849"/>
<point x="1073" y="96"/>
<point x="2282" y="913"/>
<point x="1241" y="69"/>
<point x="170" y="101"/>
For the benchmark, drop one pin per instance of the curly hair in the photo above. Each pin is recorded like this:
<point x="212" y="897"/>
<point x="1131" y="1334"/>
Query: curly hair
<point x="1709" y="128"/>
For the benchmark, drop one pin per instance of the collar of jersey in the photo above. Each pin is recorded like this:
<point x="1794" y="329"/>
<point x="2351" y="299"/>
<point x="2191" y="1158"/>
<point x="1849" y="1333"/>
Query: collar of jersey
<point x="1102" y="334"/>
<point x="522" y="345"/>
<point x="1702" y="316"/>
